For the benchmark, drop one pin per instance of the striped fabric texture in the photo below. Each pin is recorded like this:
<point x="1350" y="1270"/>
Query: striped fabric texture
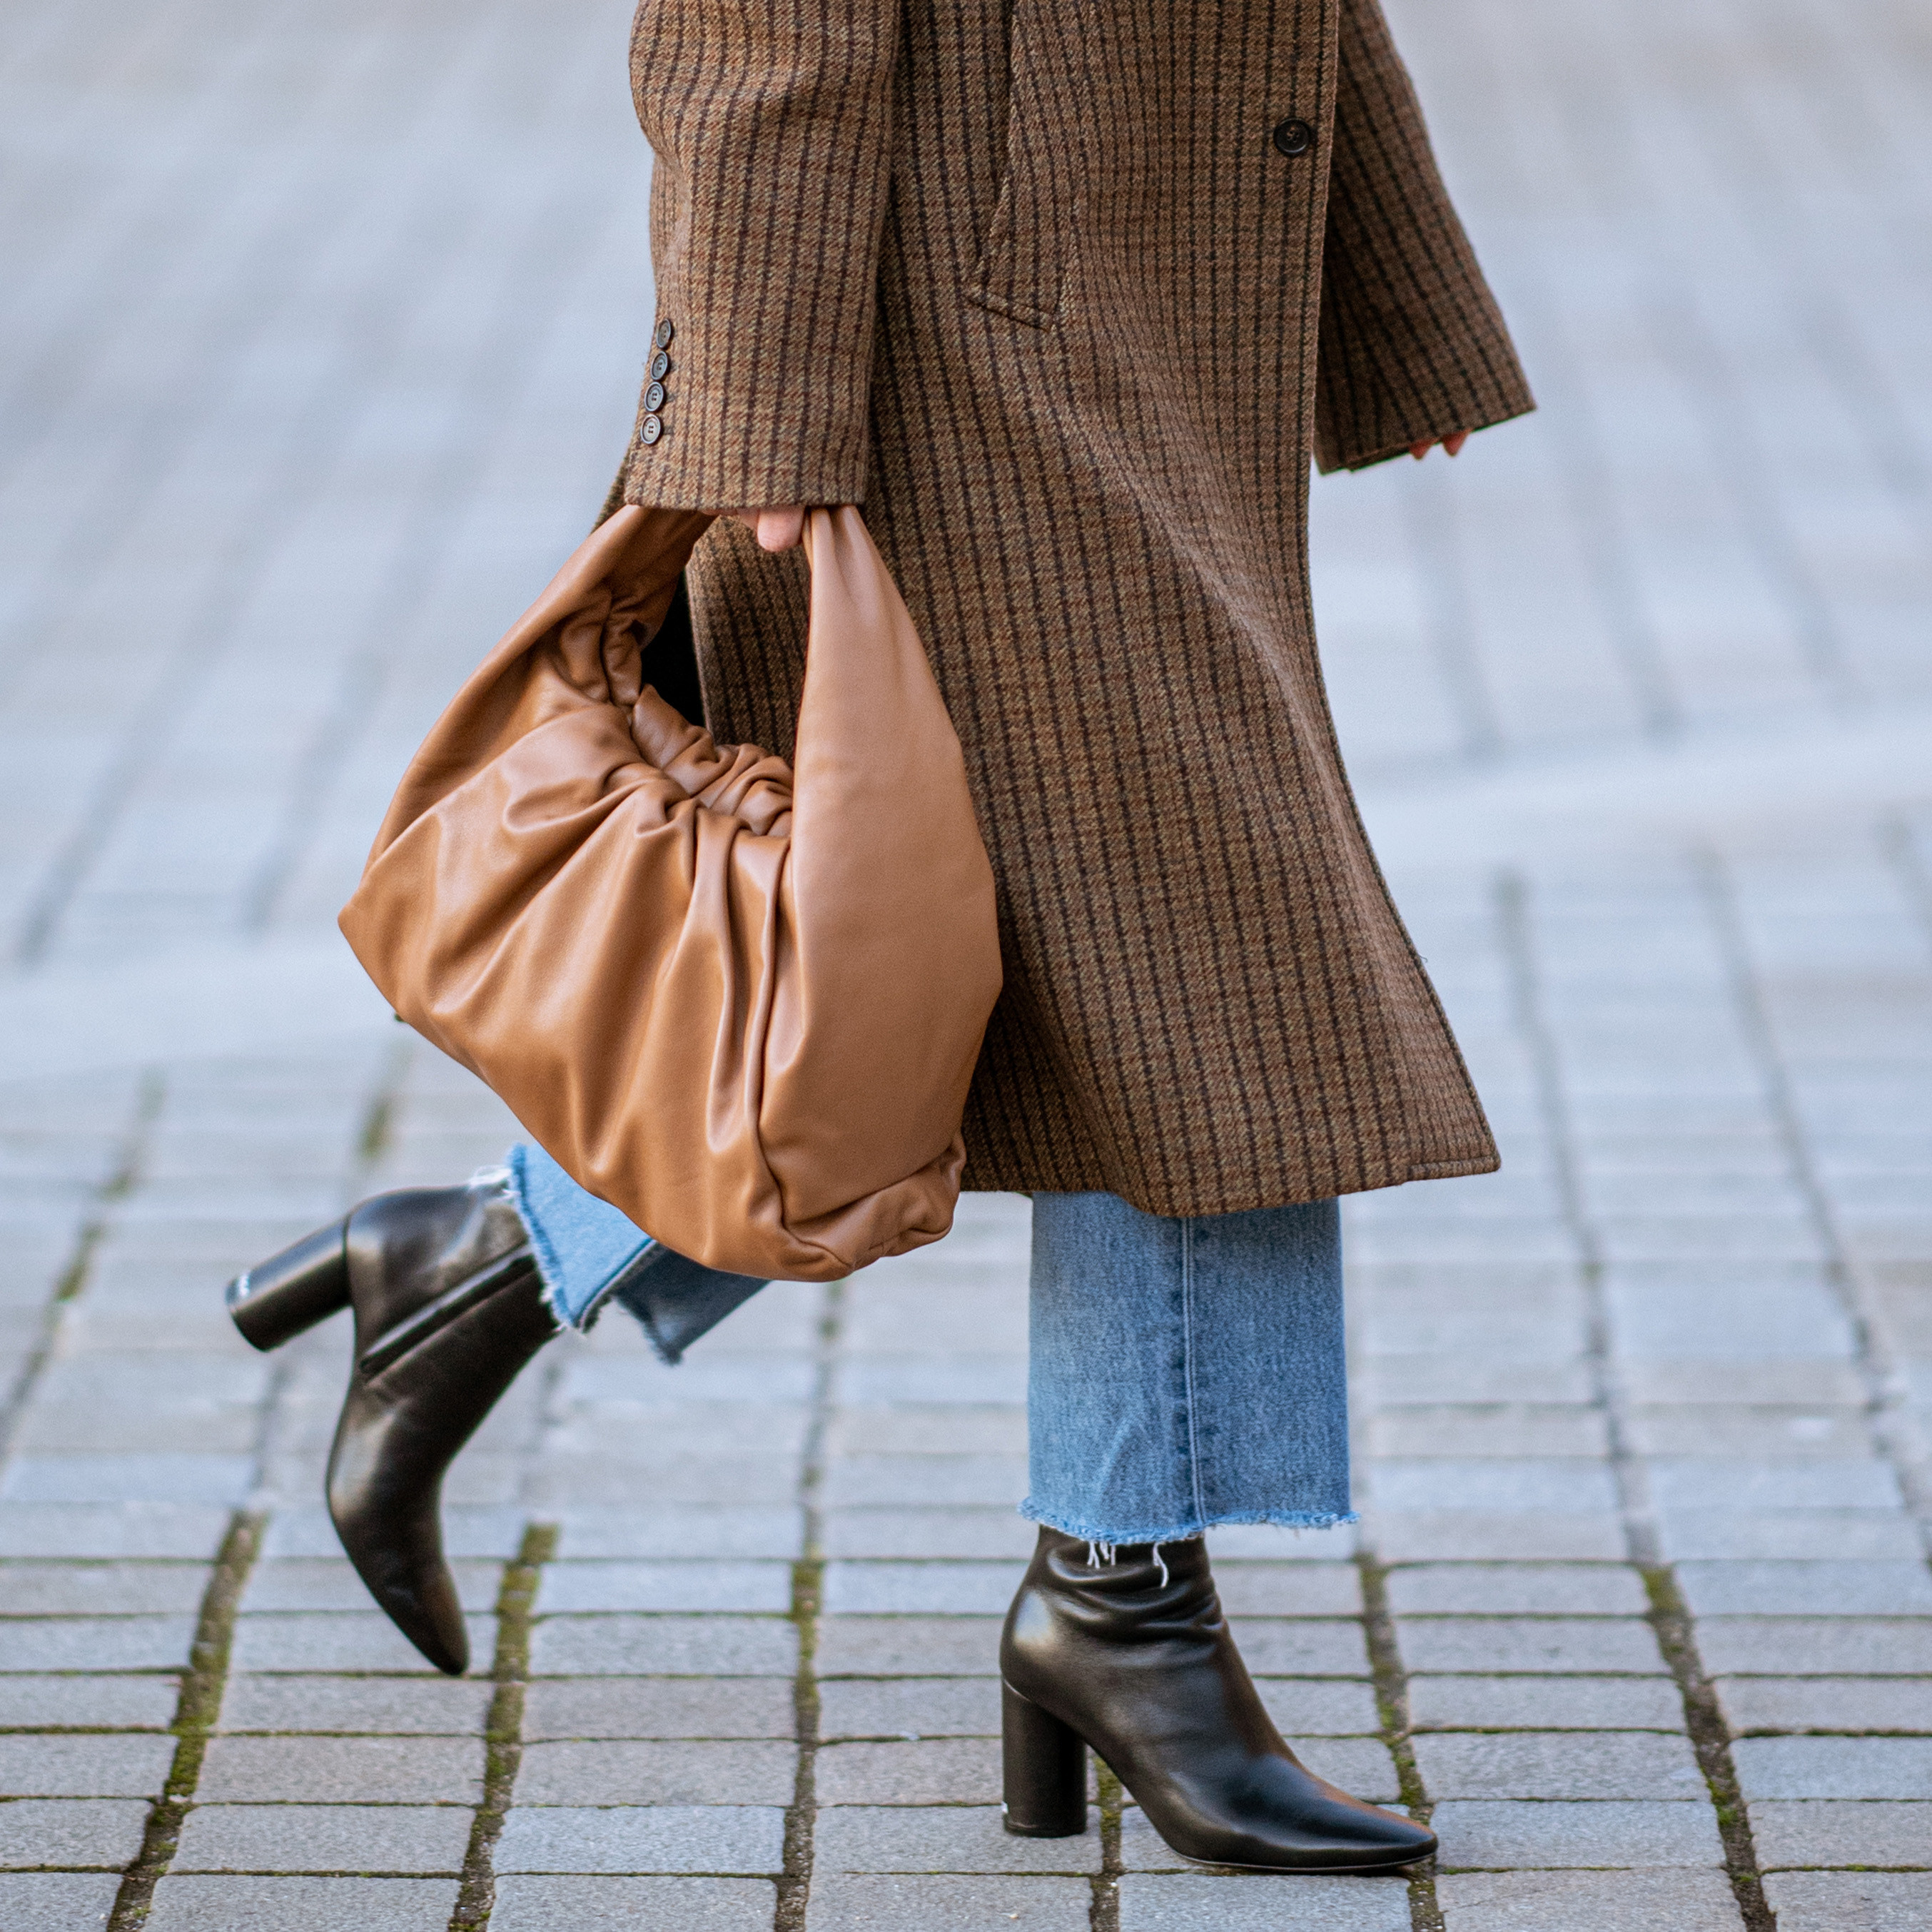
<point x="1055" y="289"/>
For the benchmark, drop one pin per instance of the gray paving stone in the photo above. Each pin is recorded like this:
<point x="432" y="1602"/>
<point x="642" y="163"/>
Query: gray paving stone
<point x="1255" y="1902"/>
<point x="1807" y="1589"/>
<point x="1545" y="1703"/>
<point x="1565" y="1646"/>
<point x="1573" y="1901"/>
<point x="993" y="1481"/>
<point x="223" y="1904"/>
<point x="1816" y="1767"/>
<point x="660" y="1707"/>
<point x="1513" y="1429"/>
<point x="1816" y="1646"/>
<point x="1521" y="1589"/>
<point x="101" y="1589"/>
<point x="1361" y="1766"/>
<point x="941" y="1838"/>
<point x="1492" y="1833"/>
<point x="910" y="1708"/>
<point x="56" y="1901"/>
<point x="1825" y="1704"/>
<point x="910" y="1647"/>
<point x="1681" y="1482"/>
<point x="1314" y="1707"/>
<point x="1448" y="1485"/>
<point x="83" y="1767"/>
<point x="345" y="1838"/>
<point x="315" y="1583"/>
<point x="922" y="1904"/>
<point x="95" y="1643"/>
<point x="322" y="1770"/>
<point x="94" y="1833"/>
<point x="1301" y="1647"/>
<point x="1761" y="1431"/>
<point x="666" y="1530"/>
<point x="306" y="1641"/>
<point x="1559" y="1764"/>
<point x="670" y="1646"/>
<point x="380" y="1705"/>
<point x="1303" y="1589"/>
<point x="660" y="1771"/>
<point x="665" y="1586"/>
<point x="144" y="1477"/>
<point x="992" y="1533"/>
<point x="1843" y="1535"/>
<point x="1829" y="1832"/>
<point x="529" y="1904"/>
<point x="1502" y="1536"/>
<point x="87" y="1703"/>
<point x="469" y="1531"/>
<point x="965" y="1589"/>
<point x="940" y="1771"/>
<point x="666" y="1838"/>
<point x="1850" y="1901"/>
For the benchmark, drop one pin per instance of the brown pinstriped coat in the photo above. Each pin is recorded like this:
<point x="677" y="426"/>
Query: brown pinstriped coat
<point x="1032" y="280"/>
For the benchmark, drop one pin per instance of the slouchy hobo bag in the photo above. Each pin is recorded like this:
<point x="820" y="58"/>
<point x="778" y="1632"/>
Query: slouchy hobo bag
<point x="740" y="1001"/>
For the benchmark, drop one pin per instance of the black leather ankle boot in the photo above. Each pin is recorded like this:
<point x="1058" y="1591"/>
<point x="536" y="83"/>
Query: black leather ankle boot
<point x="1133" y="1657"/>
<point x="448" y="1309"/>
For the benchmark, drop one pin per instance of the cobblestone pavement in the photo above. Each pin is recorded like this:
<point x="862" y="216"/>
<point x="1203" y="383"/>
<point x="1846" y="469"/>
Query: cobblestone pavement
<point x="322" y="326"/>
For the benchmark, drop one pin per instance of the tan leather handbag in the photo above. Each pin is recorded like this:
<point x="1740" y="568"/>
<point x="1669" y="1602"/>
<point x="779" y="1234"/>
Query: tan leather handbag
<point x="738" y="1000"/>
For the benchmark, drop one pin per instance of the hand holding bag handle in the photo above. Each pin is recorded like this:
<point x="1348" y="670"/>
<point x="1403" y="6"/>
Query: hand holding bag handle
<point x="741" y="1002"/>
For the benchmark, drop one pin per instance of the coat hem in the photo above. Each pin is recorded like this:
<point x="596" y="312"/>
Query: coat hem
<point x="995" y="1177"/>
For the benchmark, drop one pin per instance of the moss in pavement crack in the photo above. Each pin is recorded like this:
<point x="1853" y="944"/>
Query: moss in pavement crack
<point x="195" y="1715"/>
<point x="503" y="1734"/>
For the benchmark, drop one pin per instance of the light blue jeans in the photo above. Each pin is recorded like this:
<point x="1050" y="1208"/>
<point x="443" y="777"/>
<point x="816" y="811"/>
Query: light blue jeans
<point x="1184" y="1371"/>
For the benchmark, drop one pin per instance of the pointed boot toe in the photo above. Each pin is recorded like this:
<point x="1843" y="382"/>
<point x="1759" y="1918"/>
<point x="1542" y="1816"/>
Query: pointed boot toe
<point x="1134" y="1658"/>
<point x="448" y="1309"/>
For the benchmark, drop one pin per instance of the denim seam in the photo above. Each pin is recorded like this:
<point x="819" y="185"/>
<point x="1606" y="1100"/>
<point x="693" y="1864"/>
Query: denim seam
<point x="1187" y="1361"/>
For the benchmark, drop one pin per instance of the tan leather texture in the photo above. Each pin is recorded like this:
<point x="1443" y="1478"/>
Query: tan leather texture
<point x="740" y="1000"/>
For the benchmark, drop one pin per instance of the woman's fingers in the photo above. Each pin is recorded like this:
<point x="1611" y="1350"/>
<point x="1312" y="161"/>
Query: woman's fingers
<point x="1453" y="444"/>
<point x="776" y="526"/>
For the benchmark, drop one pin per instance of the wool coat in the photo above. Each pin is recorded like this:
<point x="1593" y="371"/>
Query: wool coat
<point x="1066" y="293"/>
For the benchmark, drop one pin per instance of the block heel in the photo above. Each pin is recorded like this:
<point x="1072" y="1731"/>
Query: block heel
<point x="1044" y="1764"/>
<point x="294" y="1290"/>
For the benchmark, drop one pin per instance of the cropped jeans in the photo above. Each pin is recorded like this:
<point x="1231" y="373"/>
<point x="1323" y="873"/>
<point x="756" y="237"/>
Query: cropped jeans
<point x="1183" y="1371"/>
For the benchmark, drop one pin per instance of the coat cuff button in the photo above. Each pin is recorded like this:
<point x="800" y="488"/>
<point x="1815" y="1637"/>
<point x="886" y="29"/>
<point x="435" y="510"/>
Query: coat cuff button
<point x="664" y="333"/>
<point x="652" y="431"/>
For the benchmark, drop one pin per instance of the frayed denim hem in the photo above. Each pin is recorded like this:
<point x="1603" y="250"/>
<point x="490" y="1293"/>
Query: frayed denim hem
<point x="550" y="1267"/>
<point x="1087" y="1532"/>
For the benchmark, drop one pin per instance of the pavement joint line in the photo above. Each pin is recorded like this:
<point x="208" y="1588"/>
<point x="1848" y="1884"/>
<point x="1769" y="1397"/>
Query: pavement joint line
<point x="195" y="1713"/>
<point x="1104" y="1913"/>
<point x="1711" y="1740"/>
<point x="150" y="1096"/>
<point x="808" y="1599"/>
<point x="503" y="1730"/>
<point x="1391" y="1689"/>
<point x="1885" y="1385"/>
<point x="1669" y="1617"/>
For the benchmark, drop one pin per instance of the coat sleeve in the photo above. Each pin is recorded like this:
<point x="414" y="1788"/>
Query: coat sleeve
<point x="770" y="122"/>
<point x="1412" y="344"/>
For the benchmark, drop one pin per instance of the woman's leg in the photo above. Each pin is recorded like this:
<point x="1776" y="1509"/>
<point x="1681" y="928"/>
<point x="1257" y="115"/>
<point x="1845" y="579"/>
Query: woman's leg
<point x="1185" y="1372"/>
<point x="588" y="1253"/>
